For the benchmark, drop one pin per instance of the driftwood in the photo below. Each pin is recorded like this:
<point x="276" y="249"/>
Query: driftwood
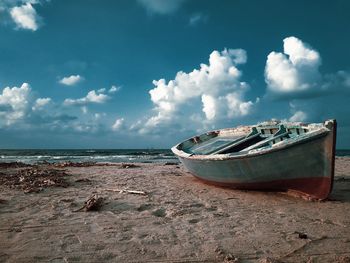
<point x="136" y="192"/>
<point x="94" y="203"/>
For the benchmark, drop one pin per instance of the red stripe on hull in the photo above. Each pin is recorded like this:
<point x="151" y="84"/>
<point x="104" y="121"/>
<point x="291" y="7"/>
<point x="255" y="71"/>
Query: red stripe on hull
<point x="313" y="188"/>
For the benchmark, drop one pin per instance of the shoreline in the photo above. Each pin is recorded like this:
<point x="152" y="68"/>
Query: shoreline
<point x="178" y="219"/>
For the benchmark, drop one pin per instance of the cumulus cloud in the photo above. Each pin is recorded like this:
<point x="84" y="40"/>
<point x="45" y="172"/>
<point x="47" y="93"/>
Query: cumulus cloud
<point x="217" y="85"/>
<point x="40" y="103"/>
<point x="25" y="16"/>
<point x="295" y="75"/>
<point x="22" y="13"/>
<point x="91" y="97"/>
<point x="209" y="106"/>
<point x="71" y="80"/>
<point x="118" y="124"/>
<point x="294" y="70"/>
<point x="14" y="103"/>
<point x="18" y="104"/>
<point x="162" y="7"/>
<point x="22" y="111"/>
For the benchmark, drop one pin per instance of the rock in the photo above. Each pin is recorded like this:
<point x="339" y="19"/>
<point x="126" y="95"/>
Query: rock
<point x="302" y="236"/>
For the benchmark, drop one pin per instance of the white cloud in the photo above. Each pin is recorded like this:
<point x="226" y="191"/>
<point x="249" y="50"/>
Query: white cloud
<point x="118" y="124"/>
<point x="298" y="116"/>
<point x="295" y="70"/>
<point x="217" y="85"/>
<point x="21" y="111"/>
<point x="295" y="75"/>
<point x="14" y="103"/>
<point x="25" y="16"/>
<point x="162" y="7"/>
<point x="209" y="106"/>
<point x="17" y="103"/>
<point x="40" y="103"/>
<point x="71" y="80"/>
<point x="114" y="89"/>
<point x="91" y="97"/>
<point x="237" y="107"/>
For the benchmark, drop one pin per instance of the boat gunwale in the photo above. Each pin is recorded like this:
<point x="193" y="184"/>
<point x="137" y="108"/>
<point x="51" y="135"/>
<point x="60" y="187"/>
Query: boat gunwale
<point x="323" y="131"/>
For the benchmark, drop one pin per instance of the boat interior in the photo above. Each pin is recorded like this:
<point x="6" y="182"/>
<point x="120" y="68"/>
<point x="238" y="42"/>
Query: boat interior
<point x="259" y="137"/>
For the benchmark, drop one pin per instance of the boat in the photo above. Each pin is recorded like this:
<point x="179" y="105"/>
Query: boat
<point x="275" y="155"/>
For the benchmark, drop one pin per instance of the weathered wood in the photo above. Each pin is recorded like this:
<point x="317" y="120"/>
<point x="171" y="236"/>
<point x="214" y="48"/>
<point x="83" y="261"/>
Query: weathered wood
<point x="128" y="191"/>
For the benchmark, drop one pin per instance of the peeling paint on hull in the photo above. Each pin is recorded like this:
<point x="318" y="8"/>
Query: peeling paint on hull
<point x="306" y="167"/>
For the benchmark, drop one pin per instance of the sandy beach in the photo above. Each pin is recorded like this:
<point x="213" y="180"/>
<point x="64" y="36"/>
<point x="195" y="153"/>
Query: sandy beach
<point x="177" y="219"/>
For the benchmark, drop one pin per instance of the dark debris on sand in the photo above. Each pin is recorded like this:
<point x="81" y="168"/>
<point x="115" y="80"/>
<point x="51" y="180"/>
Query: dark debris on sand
<point x="70" y="164"/>
<point x="75" y="164"/>
<point x="171" y="163"/>
<point x="88" y="164"/>
<point x="33" y="179"/>
<point x="128" y="165"/>
<point x="13" y="165"/>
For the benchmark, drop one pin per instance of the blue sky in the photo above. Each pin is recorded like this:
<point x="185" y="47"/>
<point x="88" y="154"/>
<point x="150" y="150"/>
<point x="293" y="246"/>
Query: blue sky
<point x="149" y="73"/>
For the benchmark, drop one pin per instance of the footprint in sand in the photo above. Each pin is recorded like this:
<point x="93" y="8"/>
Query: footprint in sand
<point x="70" y="241"/>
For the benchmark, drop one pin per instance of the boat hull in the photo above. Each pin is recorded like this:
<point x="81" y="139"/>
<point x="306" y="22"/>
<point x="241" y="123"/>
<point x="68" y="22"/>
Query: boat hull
<point x="306" y="168"/>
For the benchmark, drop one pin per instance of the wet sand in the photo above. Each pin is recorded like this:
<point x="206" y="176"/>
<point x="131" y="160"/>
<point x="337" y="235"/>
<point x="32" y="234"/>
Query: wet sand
<point x="180" y="219"/>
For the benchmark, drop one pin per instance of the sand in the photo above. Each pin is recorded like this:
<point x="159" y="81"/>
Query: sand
<point x="180" y="219"/>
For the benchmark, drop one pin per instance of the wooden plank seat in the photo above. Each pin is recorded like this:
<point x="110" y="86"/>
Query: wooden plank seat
<point x="280" y="134"/>
<point x="253" y="137"/>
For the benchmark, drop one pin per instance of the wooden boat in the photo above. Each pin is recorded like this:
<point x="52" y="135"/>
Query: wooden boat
<point x="277" y="156"/>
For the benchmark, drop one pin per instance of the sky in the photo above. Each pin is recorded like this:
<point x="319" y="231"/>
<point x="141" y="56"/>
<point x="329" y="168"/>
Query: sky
<point x="151" y="73"/>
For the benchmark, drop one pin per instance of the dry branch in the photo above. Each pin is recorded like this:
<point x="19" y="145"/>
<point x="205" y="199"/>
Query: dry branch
<point x="136" y="192"/>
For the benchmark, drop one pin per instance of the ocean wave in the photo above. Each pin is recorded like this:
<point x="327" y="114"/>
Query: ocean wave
<point x="116" y="156"/>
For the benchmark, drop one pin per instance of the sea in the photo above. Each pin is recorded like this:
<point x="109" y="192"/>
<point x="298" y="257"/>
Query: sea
<point x="31" y="156"/>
